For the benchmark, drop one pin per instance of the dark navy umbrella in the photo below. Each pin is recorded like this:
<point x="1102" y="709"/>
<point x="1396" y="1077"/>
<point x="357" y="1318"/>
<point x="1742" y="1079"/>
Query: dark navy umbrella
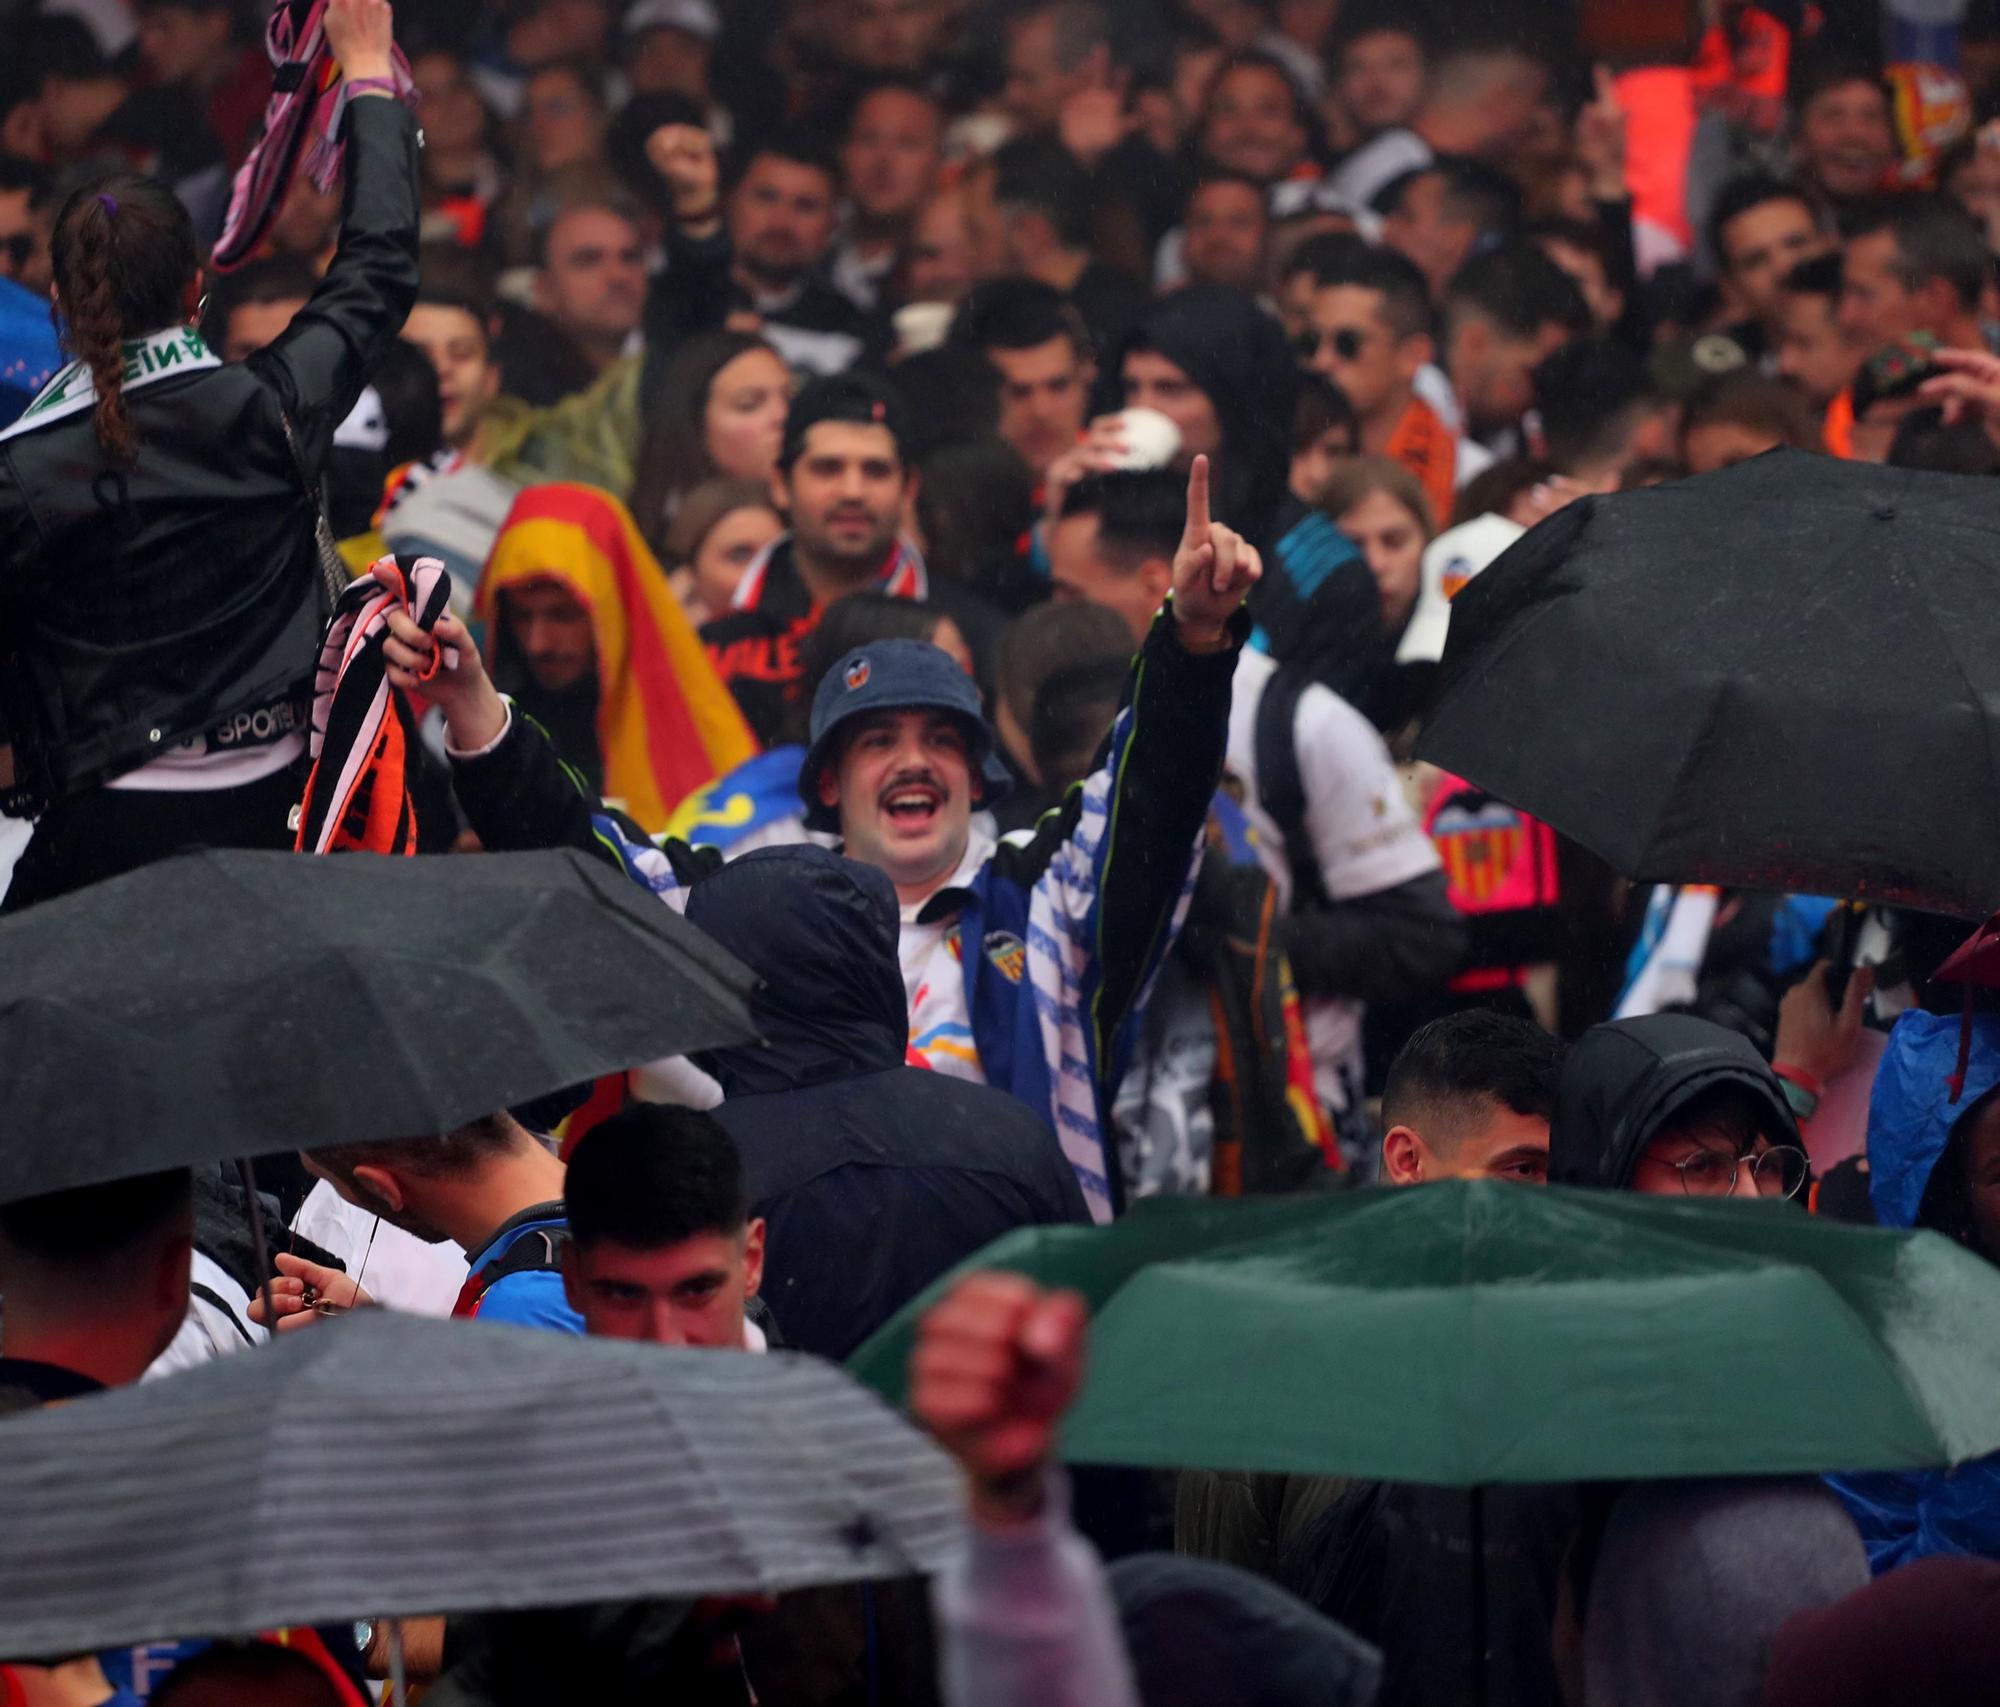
<point x="227" y="1004"/>
<point x="1782" y="676"/>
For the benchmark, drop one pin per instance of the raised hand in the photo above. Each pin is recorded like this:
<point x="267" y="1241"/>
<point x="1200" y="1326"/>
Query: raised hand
<point x="444" y="667"/>
<point x="995" y="1367"/>
<point x="684" y="155"/>
<point x="1214" y="569"/>
<point x="361" y="34"/>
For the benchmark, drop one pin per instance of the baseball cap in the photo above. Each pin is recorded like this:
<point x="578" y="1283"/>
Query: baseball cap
<point x="893" y="675"/>
<point x="697" y="18"/>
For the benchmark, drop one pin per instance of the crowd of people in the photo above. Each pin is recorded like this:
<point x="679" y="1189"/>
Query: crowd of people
<point x="962" y="499"/>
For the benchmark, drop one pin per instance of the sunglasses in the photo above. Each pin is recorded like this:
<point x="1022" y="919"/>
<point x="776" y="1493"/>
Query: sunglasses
<point x="1348" y="342"/>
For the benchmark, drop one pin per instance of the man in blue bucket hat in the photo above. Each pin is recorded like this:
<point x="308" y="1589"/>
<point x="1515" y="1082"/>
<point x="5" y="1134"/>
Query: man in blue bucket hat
<point x="1025" y="961"/>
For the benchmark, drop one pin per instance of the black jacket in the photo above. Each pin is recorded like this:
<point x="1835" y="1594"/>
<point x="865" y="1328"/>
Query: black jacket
<point x="873" y="1177"/>
<point x="141" y="607"/>
<point x="1623" y="1080"/>
<point x="814" y="327"/>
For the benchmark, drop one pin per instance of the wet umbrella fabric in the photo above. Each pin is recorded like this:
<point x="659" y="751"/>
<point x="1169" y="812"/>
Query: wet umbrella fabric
<point x="1782" y="676"/>
<point x="1474" y="1333"/>
<point x="223" y="1004"/>
<point x="390" y="1465"/>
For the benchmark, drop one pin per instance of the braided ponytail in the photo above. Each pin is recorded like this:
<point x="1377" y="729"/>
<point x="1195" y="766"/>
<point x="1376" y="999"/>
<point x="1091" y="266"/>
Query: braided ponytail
<point x="124" y="257"/>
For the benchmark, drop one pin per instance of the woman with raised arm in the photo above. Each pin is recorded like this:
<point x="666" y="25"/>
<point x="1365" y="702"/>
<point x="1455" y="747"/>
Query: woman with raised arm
<point x="161" y="589"/>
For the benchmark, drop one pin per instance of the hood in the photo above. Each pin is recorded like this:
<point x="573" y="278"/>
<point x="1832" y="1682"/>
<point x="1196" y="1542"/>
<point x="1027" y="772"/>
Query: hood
<point x="1237" y="354"/>
<point x="1200" y="1632"/>
<point x="1910" y="1112"/>
<point x="1624" y="1079"/>
<point x="821" y="932"/>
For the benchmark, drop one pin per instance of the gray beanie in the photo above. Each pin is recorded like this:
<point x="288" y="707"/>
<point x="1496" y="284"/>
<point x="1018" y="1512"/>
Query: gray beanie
<point x="1694" y="1580"/>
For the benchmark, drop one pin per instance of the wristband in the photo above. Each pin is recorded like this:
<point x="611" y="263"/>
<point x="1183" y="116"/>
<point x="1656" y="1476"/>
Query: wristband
<point x="373" y="86"/>
<point x="1802" y="1091"/>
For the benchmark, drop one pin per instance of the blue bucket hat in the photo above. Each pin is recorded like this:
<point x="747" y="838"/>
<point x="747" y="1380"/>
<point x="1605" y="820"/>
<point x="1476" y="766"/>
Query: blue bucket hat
<point x="894" y="675"/>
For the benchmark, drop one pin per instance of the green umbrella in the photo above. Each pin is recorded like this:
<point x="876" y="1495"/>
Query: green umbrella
<point x="1480" y="1332"/>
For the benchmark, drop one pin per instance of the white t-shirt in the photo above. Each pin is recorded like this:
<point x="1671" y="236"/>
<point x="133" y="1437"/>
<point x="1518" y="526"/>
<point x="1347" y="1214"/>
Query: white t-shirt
<point x="1364" y="836"/>
<point x="934" y="979"/>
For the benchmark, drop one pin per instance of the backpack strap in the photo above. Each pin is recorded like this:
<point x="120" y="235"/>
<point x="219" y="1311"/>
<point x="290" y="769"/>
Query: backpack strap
<point x="537" y="1251"/>
<point x="1281" y="788"/>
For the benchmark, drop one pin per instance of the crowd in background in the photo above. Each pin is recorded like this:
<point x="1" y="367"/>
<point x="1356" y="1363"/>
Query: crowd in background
<point x="1028" y="448"/>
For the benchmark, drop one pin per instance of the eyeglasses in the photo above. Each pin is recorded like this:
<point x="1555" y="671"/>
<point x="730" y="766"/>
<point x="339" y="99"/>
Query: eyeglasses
<point x="1778" y="1172"/>
<point x="1348" y="342"/>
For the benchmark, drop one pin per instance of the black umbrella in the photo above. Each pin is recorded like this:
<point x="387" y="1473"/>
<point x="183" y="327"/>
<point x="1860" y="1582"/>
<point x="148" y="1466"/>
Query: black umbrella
<point x="226" y="1004"/>
<point x="389" y="1465"/>
<point x="1782" y="676"/>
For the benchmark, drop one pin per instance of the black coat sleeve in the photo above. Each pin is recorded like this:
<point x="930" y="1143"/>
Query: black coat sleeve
<point x="692" y="294"/>
<point x="1119" y="877"/>
<point x="320" y="362"/>
<point x="519" y="795"/>
<point x="1391" y="946"/>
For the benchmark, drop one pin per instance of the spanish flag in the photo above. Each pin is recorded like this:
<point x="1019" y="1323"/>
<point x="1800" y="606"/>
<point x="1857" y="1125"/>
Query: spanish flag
<point x="665" y="723"/>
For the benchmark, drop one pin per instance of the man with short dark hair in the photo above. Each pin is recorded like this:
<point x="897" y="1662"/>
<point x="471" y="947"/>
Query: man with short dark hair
<point x="1469" y="1097"/>
<point x="491" y="1187"/>
<point x="251" y="306"/>
<point x="1255" y="121"/>
<point x="1913" y="263"/>
<point x="1053" y="49"/>
<point x="1369" y="331"/>
<point x="591" y="284"/>
<point x="1039" y="347"/>
<point x="1503" y="313"/>
<point x="1842" y="138"/>
<point x="1813" y="350"/>
<point x="1759" y="228"/>
<point x="94" y="1283"/>
<point x="1443" y="214"/>
<point x="755" y="252"/>
<point x="890" y="158"/>
<point x="455" y="332"/>
<point x="842" y="483"/>
<point x="1031" y="210"/>
<point x="1228" y="232"/>
<point x="662" y="1246"/>
<point x="1379" y="73"/>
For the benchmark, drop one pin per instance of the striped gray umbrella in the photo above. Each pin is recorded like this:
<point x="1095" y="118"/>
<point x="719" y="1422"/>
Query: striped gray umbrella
<point x="389" y="1465"/>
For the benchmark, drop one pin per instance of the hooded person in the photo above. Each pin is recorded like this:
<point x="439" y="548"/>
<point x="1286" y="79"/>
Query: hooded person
<point x="582" y="628"/>
<point x="1694" y="1579"/>
<point x="873" y="1177"/>
<point x="1218" y="366"/>
<point x="1933" y="1160"/>
<point x="1640" y="1100"/>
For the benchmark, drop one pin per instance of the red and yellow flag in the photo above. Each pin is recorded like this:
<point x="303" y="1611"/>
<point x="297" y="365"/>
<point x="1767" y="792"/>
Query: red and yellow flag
<point x="665" y="723"/>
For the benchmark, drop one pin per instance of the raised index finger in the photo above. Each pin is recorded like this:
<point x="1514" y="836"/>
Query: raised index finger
<point x="1197" y="503"/>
